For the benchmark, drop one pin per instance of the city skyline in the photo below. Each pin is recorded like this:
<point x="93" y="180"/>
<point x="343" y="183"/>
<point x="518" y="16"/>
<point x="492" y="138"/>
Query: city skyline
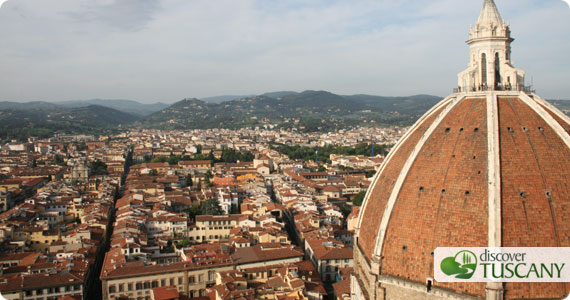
<point x="165" y="51"/>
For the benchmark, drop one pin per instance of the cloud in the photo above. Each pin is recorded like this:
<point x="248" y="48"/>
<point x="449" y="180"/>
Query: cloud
<point x="170" y="49"/>
<point x="129" y="15"/>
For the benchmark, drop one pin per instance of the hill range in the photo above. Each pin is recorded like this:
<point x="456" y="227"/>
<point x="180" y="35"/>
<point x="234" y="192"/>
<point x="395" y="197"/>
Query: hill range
<point x="308" y="110"/>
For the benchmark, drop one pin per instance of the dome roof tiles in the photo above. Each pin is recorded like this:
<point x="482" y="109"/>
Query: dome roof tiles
<point x="436" y="187"/>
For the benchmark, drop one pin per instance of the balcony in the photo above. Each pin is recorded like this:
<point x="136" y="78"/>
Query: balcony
<point x="518" y="88"/>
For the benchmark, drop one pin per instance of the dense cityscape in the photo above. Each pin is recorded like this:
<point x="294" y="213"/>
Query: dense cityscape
<point x="146" y="213"/>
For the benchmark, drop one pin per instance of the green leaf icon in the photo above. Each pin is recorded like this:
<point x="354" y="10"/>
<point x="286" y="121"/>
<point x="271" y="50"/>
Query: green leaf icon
<point x="463" y="265"/>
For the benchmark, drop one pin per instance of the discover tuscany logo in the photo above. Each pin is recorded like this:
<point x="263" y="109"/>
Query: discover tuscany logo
<point x="502" y="264"/>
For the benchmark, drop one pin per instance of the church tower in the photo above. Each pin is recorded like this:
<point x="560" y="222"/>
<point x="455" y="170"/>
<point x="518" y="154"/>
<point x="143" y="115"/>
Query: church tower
<point x="485" y="167"/>
<point x="490" y="66"/>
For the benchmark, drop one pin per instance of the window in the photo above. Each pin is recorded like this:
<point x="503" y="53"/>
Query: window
<point x="497" y="69"/>
<point x="162" y="282"/>
<point x="179" y="280"/>
<point x="191" y="279"/>
<point x="146" y="285"/>
<point x="121" y="287"/>
<point x="154" y="284"/>
<point x="139" y="286"/>
<point x="171" y="281"/>
<point x="484" y="69"/>
<point x="200" y="278"/>
<point x="130" y="286"/>
<point x="112" y="289"/>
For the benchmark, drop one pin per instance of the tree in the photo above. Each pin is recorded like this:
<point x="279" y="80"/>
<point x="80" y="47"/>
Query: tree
<point x="189" y="180"/>
<point x="200" y="157"/>
<point x="207" y="179"/>
<point x="59" y="160"/>
<point x="182" y="244"/>
<point x="208" y="207"/>
<point x="153" y="172"/>
<point x="173" y="160"/>
<point x="322" y="169"/>
<point x="192" y="212"/>
<point x="211" y="207"/>
<point x="357" y="200"/>
<point x="34" y="163"/>
<point x="82" y="146"/>
<point x="158" y="159"/>
<point x="235" y="209"/>
<point x="98" y="168"/>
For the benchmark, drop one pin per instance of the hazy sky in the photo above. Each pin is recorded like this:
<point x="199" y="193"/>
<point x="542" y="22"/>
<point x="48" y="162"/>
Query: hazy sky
<point x="166" y="50"/>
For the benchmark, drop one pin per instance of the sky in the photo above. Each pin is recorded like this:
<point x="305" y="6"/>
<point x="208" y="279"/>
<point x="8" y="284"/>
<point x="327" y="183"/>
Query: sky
<point x="167" y="50"/>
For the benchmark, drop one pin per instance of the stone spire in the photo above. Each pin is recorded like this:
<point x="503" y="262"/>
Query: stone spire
<point x="490" y="14"/>
<point x="490" y="23"/>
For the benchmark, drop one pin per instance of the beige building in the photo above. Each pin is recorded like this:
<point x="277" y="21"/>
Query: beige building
<point x="328" y="257"/>
<point x="213" y="228"/>
<point x="138" y="282"/>
<point x="192" y="276"/>
<point x="41" y="286"/>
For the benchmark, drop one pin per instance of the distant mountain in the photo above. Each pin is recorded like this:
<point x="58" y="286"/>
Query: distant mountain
<point x="308" y="110"/>
<point x="280" y="94"/>
<point x="225" y="98"/>
<point x="313" y="110"/>
<point x="563" y="105"/>
<point x="412" y="105"/>
<point x="27" y="105"/>
<point x="127" y="106"/>
<point x="44" y="122"/>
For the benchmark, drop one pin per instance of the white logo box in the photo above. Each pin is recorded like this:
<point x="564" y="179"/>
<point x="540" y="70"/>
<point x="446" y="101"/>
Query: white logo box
<point x="505" y="264"/>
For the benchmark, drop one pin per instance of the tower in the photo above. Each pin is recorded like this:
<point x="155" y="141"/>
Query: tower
<point x="490" y="66"/>
<point x="485" y="167"/>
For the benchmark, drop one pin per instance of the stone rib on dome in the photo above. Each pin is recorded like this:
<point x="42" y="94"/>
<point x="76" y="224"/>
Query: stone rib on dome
<point x="444" y="198"/>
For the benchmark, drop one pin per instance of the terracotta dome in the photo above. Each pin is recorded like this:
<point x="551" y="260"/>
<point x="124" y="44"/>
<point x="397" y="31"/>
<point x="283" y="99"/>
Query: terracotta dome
<point x="489" y="166"/>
